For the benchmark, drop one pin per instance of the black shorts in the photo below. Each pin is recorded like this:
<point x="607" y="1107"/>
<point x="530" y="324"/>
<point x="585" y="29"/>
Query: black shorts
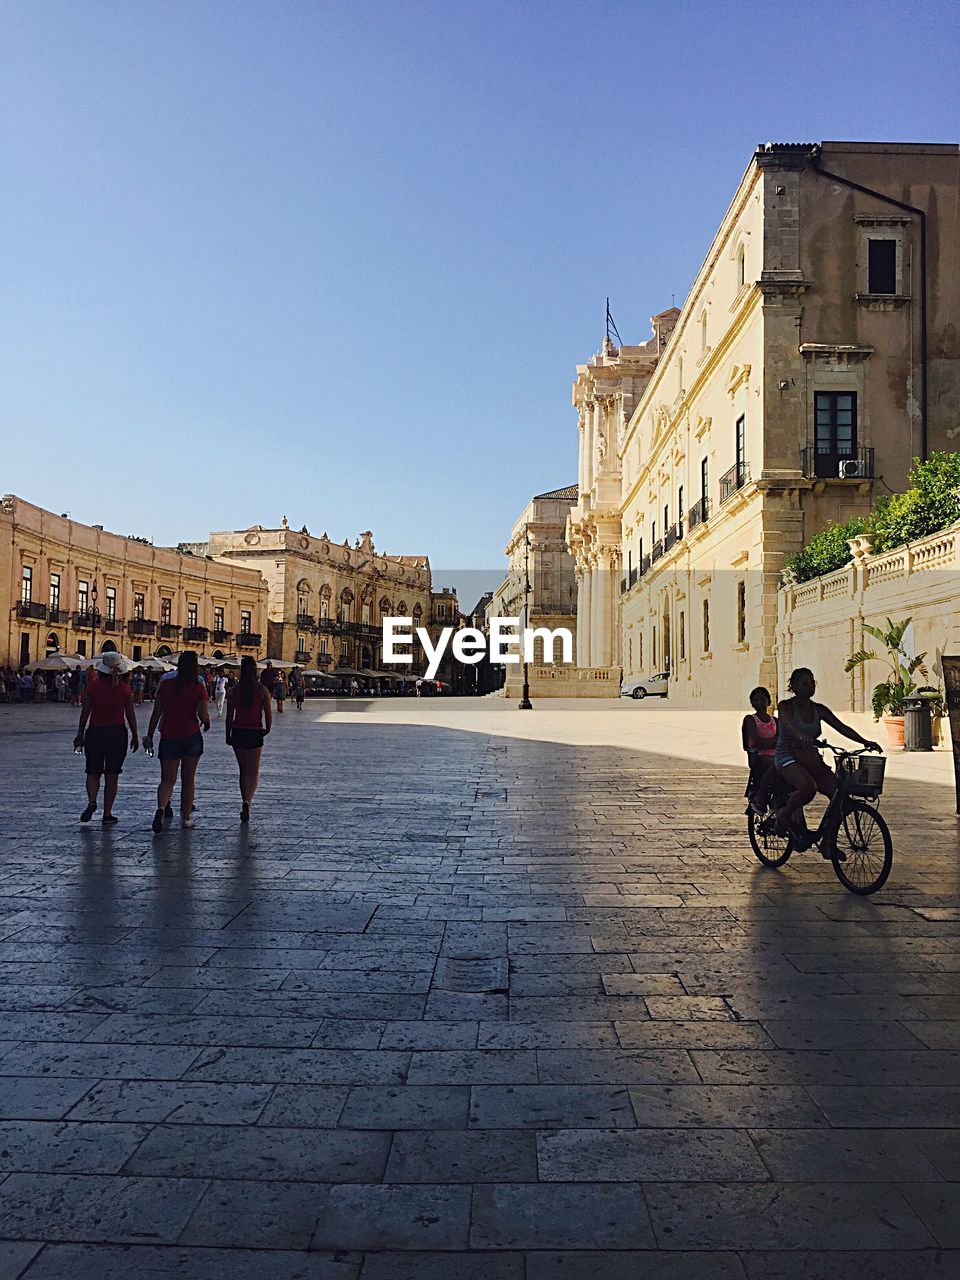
<point x="105" y="747"/>
<point x="181" y="748"/>
<point x="246" y="739"/>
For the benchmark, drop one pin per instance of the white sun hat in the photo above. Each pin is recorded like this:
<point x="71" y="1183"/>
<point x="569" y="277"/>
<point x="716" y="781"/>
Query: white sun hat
<point x="111" y="664"/>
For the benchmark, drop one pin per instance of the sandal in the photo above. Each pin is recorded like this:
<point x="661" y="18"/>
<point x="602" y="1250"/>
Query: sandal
<point x="158" y="822"/>
<point x="109" y="820"/>
<point x="89" y="811"/>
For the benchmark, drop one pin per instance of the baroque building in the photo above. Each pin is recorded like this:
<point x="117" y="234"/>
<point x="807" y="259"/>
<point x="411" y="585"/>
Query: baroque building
<point x="814" y="356"/>
<point x="327" y="599"/>
<point x="73" y="588"/>
<point x="537" y="540"/>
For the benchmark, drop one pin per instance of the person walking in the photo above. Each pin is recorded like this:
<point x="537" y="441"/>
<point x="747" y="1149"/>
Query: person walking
<point x="280" y="692"/>
<point x="220" y="691"/>
<point x="297" y="687"/>
<point x="180" y="709"/>
<point x="106" y="704"/>
<point x="249" y="720"/>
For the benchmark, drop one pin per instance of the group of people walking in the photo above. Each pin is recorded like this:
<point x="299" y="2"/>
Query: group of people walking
<point x="181" y="712"/>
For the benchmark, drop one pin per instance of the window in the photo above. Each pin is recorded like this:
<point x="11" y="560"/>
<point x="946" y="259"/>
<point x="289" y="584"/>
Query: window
<point x="682" y="635"/>
<point x="323" y="645"/>
<point x="654" y="645"/>
<point x="881" y="266"/>
<point x="666" y="517"/>
<point x="53" y="643"/>
<point x="741" y="267"/>
<point x="219" y="623"/>
<point x="82" y="648"/>
<point x="324" y="608"/>
<point x="703" y="334"/>
<point x="741" y="612"/>
<point x="301" y="606"/>
<point x="365" y="614"/>
<point x="836" y="424"/>
<point x="246" y="620"/>
<point x="653" y="532"/>
<point x="55" y="592"/>
<point x="640" y="652"/>
<point x="301" y="645"/>
<point x="704" y="478"/>
<point x="191" y="614"/>
<point x="680" y="502"/>
<point x="441" y="610"/>
<point x="26" y="584"/>
<point x="83" y="595"/>
<point x="111" y="613"/>
<point x="138" y="606"/>
<point x="706" y="626"/>
<point x="166" y="611"/>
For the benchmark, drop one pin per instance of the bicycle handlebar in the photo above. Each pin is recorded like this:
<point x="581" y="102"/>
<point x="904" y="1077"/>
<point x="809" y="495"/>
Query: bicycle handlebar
<point x="841" y="751"/>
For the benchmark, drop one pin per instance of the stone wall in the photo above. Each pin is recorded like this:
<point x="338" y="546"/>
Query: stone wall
<point x="820" y="623"/>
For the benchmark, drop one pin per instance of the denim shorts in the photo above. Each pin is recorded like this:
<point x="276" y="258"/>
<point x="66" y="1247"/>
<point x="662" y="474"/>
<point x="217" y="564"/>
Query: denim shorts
<point x="181" y="748"/>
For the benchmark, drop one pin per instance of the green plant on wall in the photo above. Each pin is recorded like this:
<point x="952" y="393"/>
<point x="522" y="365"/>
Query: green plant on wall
<point x="888" y="696"/>
<point x="826" y="551"/>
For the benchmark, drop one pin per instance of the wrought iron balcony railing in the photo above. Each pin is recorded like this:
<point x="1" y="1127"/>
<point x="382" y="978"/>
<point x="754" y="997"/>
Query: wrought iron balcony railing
<point x="169" y="630"/>
<point x="221" y="637"/>
<point x="248" y="639"/>
<point x="306" y="621"/>
<point x="674" y="534"/>
<point x="196" y="633"/>
<point x="656" y="551"/>
<point x="142" y="627"/>
<point x="699" y="513"/>
<point x="734" y="479"/>
<point x="833" y="464"/>
<point x="112" y="625"/>
<point x="27" y="609"/>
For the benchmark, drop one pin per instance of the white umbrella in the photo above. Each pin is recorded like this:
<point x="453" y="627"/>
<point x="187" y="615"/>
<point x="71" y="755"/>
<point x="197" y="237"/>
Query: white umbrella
<point x="155" y="664"/>
<point x="279" y="664"/>
<point x="55" y="662"/>
<point x="126" y="664"/>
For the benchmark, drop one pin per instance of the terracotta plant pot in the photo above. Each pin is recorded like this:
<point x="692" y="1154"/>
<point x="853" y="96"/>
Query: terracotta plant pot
<point x="894" y="726"/>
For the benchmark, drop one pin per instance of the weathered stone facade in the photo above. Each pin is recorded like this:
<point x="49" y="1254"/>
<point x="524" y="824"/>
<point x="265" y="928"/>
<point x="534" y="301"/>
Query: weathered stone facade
<point x="148" y="599"/>
<point x="327" y="599"/>
<point x="551" y="601"/>
<point x="793" y="380"/>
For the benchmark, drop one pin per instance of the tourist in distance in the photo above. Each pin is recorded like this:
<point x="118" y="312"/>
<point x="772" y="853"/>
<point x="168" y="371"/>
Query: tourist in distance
<point x="180" y="709"/>
<point x="102" y="734"/>
<point x="249" y="720"/>
<point x="280" y="691"/>
<point x="796" y="757"/>
<point x="220" y="691"/>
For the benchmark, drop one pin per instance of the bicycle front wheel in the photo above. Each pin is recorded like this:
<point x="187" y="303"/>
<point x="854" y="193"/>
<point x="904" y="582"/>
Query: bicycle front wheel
<point x="772" y="849"/>
<point x="861" y="848"/>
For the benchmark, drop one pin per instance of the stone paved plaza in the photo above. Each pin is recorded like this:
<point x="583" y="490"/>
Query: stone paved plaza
<point x="461" y="1003"/>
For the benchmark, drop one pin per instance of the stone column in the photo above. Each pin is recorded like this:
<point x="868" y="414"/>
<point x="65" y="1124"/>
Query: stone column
<point x="582" y="458"/>
<point x="588" y="445"/>
<point x="585" y="608"/>
<point x="603" y="631"/>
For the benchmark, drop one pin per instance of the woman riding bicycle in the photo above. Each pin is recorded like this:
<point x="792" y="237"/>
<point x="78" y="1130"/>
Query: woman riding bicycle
<point x="796" y="757"/>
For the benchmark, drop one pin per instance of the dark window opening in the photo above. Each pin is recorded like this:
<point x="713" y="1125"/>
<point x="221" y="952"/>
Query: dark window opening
<point x="882" y="266"/>
<point x="836" y="424"/>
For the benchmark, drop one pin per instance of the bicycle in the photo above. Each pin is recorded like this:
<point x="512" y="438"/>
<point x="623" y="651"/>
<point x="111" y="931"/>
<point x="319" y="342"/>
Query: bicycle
<point x="851" y="832"/>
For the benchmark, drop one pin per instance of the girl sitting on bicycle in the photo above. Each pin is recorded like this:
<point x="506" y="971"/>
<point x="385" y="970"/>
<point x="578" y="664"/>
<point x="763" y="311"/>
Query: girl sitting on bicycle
<point x="796" y="758"/>
<point x="758" y="733"/>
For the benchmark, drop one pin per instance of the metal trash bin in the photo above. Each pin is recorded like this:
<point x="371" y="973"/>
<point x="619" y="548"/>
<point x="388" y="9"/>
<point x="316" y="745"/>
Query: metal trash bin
<point x="917" y="732"/>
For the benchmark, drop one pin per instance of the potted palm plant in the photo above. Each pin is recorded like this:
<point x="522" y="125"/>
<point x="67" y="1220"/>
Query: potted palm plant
<point x="888" y="696"/>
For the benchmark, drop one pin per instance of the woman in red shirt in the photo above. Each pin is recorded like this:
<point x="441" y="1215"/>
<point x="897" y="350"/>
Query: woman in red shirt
<point x="106" y="703"/>
<point x="249" y="720"/>
<point x="180" y="708"/>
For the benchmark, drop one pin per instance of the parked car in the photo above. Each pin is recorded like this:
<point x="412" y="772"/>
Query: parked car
<point x="649" y="686"/>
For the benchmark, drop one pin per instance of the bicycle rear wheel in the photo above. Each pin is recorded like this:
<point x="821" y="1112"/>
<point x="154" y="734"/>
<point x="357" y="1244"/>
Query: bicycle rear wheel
<point x="772" y="849"/>
<point x="861" y="848"/>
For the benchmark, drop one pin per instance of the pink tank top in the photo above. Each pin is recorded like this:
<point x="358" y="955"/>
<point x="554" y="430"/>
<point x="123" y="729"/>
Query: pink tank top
<point x="766" y="733"/>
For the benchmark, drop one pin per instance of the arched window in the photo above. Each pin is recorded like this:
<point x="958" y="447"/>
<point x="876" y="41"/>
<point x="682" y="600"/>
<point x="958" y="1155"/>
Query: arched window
<point x="741" y="267"/>
<point x="53" y="643"/>
<point x="703" y="333"/>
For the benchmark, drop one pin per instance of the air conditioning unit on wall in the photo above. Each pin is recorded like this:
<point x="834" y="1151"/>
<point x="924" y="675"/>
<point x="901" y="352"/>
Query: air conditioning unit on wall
<point x="853" y="469"/>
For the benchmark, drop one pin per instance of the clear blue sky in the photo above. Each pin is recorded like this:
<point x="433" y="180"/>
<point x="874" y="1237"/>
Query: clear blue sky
<point x="339" y="260"/>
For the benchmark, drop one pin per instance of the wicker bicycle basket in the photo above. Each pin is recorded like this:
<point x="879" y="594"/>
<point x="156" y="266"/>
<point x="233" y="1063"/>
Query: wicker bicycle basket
<point x="862" y="775"/>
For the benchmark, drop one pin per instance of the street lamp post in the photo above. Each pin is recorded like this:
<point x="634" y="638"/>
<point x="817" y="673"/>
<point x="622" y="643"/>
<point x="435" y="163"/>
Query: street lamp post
<point x="525" y="703"/>
<point x="94" y="596"/>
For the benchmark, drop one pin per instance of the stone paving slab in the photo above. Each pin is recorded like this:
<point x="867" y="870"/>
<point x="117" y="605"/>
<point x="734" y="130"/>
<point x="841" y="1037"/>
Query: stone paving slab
<point x="464" y="1003"/>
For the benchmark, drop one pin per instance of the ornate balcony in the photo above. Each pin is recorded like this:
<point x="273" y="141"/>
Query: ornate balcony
<point x="328" y="626"/>
<point x="112" y="626"/>
<point x="62" y="616"/>
<point x="306" y="621"/>
<point x="169" y="630"/>
<point x="196" y="634"/>
<point x="829" y="464"/>
<point x="302" y="659"/>
<point x="248" y="639"/>
<point x="27" y="609"/>
<point x="674" y="534"/>
<point x="732" y="480"/>
<point x="324" y="659"/>
<point x="657" y="550"/>
<point x="699" y="513"/>
<point x="142" y="627"/>
<point x="221" y="637"/>
<point x="84" y="620"/>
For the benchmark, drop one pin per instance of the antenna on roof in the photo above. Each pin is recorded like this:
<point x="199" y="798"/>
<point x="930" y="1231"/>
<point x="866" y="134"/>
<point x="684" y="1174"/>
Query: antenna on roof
<point x="612" y="327"/>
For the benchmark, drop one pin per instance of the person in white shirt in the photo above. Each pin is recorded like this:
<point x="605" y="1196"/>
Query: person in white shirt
<point x="220" y="692"/>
